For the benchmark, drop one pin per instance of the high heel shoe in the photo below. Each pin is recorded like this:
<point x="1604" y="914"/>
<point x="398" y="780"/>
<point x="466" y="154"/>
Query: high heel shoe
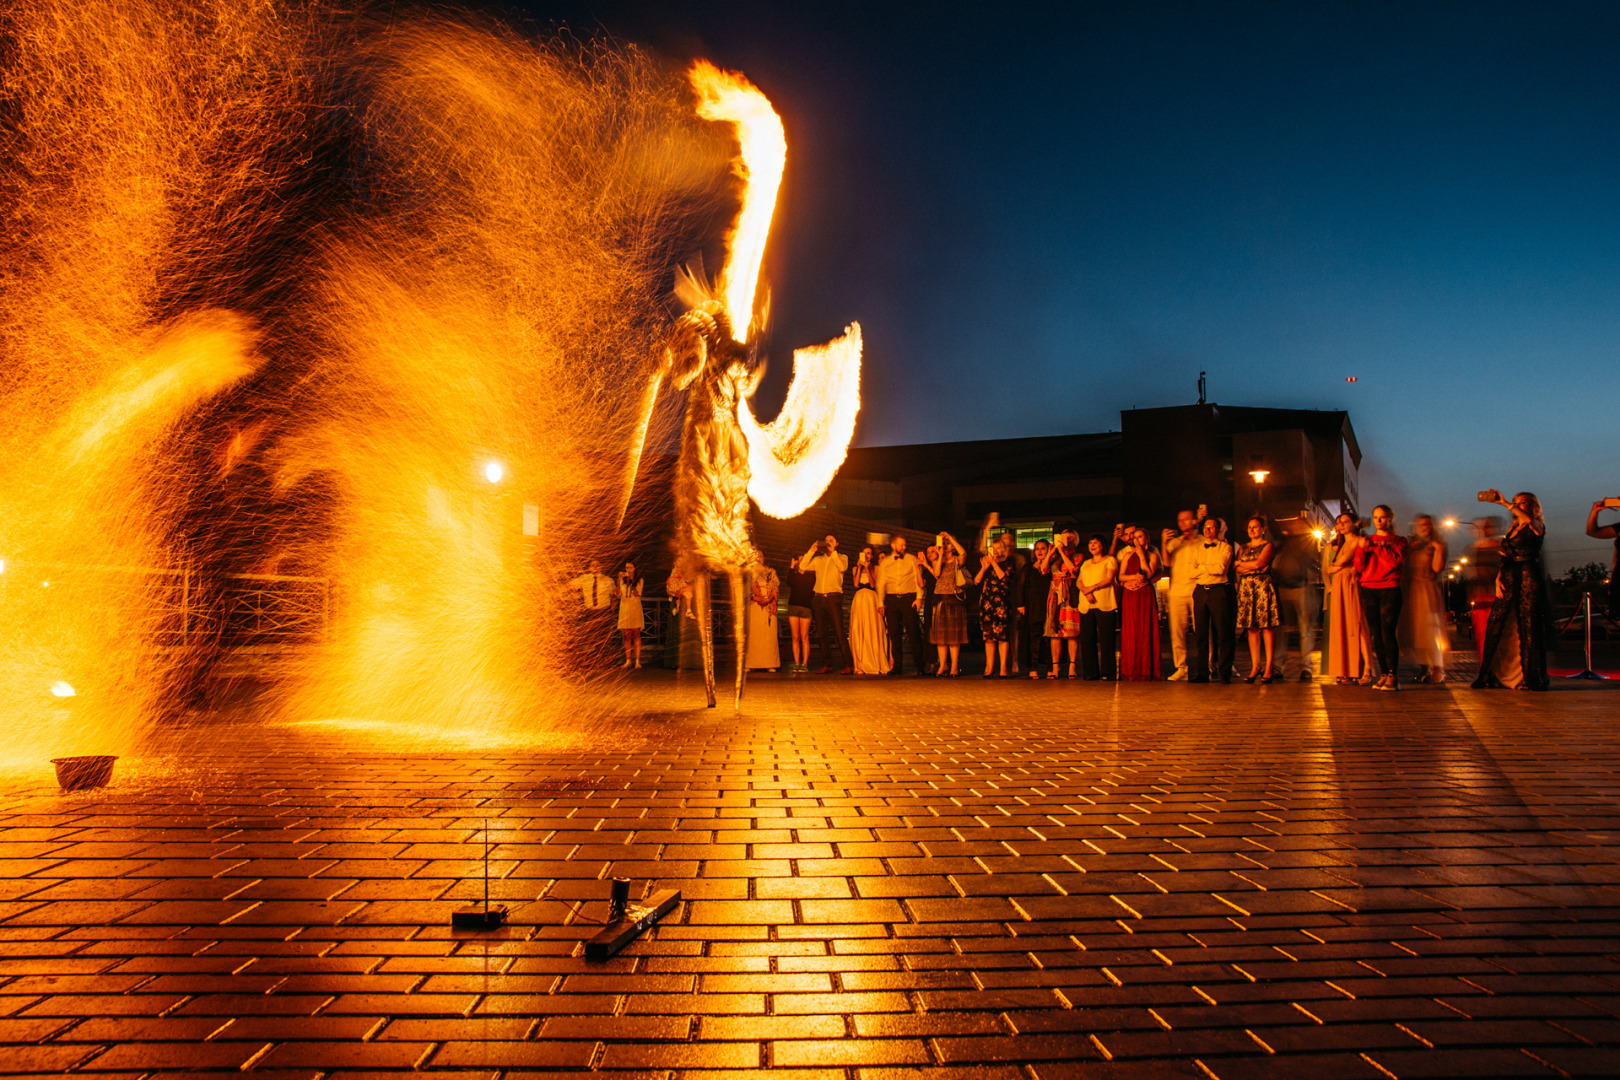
<point x="1270" y="678"/>
<point x="1253" y="675"/>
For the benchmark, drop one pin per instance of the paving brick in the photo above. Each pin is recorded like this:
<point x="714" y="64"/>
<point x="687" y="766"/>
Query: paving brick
<point x="879" y="882"/>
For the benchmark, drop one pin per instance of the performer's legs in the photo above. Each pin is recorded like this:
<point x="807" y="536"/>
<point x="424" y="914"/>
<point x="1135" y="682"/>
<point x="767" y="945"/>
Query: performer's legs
<point x="705" y="621"/>
<point x="739" y="625"/>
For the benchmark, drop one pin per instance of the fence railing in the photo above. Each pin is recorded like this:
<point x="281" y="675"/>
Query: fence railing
<point x="173" y="607"/>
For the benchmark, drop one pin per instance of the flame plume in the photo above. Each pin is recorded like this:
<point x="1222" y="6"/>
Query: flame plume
<point x="728" y="97"/>
<point x="793" y="458"/>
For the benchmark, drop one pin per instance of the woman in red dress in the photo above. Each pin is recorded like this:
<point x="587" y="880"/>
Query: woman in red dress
<point x="1139" y="610"/>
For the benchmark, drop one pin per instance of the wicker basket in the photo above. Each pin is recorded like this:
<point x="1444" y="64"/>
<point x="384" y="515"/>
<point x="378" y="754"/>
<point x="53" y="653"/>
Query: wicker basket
<point x="83" y="773"/>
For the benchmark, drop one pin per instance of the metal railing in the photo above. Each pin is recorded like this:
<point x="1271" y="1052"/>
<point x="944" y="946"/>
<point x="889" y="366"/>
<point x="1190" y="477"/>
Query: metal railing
<point x="174" y="607"/>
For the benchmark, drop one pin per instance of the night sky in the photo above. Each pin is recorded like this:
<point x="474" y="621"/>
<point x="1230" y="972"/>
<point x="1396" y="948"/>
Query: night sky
<point x="1042" y="216"/>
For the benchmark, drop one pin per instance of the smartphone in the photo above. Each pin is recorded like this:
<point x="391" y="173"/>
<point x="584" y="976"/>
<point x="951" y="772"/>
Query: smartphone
<point x="1485" y="496"/>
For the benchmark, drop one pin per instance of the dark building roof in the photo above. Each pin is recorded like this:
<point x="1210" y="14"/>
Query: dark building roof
<point x="983" y="461"/>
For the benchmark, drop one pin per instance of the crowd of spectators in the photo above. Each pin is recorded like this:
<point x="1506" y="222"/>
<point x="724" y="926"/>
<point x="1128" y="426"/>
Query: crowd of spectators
<point x="1097" y="608"/>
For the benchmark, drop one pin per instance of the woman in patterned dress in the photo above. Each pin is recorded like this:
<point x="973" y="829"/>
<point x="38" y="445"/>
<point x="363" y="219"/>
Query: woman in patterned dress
<point x="1257" y="609"/>
<point x="1063" y="563"/>
<point x="995" y="578"/>
<point x="949" y="629"/>
<point x="1521" y="595"/>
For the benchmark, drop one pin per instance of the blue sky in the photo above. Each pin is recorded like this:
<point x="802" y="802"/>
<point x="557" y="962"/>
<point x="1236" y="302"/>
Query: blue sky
<point x="1043" y="216"/>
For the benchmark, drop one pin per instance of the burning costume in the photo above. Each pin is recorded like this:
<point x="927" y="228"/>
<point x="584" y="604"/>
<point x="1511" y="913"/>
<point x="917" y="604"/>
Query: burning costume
<point x="711" y="475"/>
<point x="727" y="457"/>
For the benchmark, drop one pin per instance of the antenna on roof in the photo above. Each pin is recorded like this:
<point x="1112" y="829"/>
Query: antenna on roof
<point x="1203" y="386"/>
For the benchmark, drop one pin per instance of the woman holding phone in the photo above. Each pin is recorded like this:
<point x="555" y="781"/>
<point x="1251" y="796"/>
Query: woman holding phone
<point x="1062" y="563"/>
<point x="949" y="630"/>
<point x="1521" y="593"/>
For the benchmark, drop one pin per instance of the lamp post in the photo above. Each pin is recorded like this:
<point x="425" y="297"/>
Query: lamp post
<point x="1260" y="489"/>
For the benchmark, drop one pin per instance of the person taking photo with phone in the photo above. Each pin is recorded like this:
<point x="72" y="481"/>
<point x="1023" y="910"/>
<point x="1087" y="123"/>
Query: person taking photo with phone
<point x="1611" y="531"/>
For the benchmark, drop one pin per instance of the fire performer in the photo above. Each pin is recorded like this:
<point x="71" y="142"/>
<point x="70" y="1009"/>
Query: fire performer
<point x="727" y="457"/>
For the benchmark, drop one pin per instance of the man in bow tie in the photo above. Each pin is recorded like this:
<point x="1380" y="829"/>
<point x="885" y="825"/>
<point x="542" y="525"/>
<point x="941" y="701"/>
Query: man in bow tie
<point x="1212" y="576"/>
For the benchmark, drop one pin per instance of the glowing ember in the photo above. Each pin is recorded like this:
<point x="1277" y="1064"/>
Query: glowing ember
<point x="725" y="95"/>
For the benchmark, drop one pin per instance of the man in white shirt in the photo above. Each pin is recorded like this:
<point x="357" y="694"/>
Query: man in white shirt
<point x="599" y="604"/>
<point x="827" y="605"/>
<point x="1212" y="606"/>
<point x="899" y="589"/>
<point x="1179" y="551"/>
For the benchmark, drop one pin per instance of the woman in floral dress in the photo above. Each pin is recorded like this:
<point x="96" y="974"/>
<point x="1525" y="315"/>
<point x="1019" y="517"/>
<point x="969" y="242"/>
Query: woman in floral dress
<point x="1257" y="609"/>
<point x="995" y="578"/>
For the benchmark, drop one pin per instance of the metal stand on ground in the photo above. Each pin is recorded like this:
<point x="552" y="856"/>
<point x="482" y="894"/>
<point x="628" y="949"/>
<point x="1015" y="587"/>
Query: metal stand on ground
<point x="473" y="917"/>
<point x="1587" y="672"/>
<point x="625" y="921"/>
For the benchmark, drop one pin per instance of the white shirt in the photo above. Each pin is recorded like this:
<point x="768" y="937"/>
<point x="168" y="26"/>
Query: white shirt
<point x="1212" y="562"/>
<point x="1092" y="572"/>
<point x="829" y="571"/>
<point x="896" y="576"/>
<point x="598" y="592"/>
<point x="1181" y="553"/>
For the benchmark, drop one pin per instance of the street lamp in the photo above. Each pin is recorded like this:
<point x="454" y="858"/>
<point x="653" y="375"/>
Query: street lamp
<point x="1260" y="488"/>
<point x="494" y="472"/>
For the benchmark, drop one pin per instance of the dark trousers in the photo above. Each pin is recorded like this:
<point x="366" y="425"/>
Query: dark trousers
<point x="1212" y="628"/>
<point x="900" y="615"/>
<point x="1032" y="652"/>
<point x="1383" y="610"/>
<point x="827" y="609"/>
<point x="598" y="636"/>
<point x="1097" y="644"/>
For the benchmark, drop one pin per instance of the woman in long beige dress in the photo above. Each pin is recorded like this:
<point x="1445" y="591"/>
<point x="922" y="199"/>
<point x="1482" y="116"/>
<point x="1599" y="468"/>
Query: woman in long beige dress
<point x="1424" y="626"/>
<point x="764" y="653"/>
<point x="1349" y="657"/>
<point x="868" y="637"/>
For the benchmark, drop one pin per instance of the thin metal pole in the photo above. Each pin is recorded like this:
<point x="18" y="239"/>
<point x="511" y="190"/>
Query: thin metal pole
<point x="1586" y="609"/>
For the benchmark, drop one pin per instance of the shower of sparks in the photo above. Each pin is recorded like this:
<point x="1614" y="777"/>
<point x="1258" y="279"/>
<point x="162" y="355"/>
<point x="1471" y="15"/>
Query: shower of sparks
<point x="238" y="337"/>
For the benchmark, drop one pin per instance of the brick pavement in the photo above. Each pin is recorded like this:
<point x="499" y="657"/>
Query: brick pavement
<point x="883" y="878"/>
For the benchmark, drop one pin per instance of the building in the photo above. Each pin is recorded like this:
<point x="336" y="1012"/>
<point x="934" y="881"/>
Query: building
<point x="1160" y="461"/>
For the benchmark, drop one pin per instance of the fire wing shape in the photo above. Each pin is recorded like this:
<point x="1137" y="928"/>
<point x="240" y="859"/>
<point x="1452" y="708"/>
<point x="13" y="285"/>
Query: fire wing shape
<point x="793" y="458"/>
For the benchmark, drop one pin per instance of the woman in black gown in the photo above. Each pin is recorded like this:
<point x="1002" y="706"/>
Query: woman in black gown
<point x="1521" y="593"/>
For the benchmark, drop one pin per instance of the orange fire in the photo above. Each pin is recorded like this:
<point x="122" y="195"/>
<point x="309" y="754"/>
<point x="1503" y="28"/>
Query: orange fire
<point x="794" y="457"/>
<point x="727" y="96"/>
